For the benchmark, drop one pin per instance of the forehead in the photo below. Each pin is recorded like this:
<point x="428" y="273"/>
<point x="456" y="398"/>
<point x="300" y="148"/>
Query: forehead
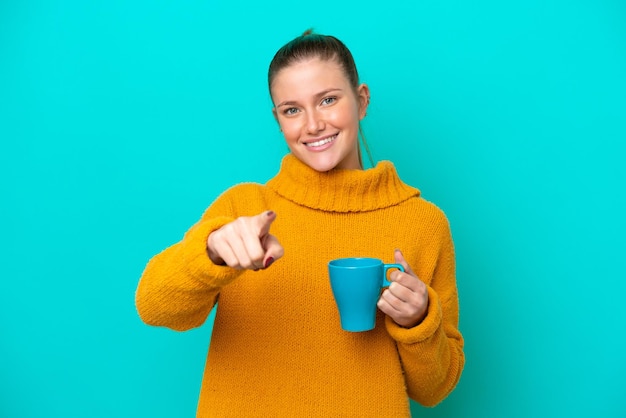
<point x="308" y="77"/>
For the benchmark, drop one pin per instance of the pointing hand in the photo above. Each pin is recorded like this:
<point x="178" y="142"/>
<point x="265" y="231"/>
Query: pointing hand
<point x="245" y="243"/>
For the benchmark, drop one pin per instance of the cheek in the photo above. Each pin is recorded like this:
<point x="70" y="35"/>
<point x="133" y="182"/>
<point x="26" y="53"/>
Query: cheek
<point x="290" y="130"/>
<point x="347" y="116"/>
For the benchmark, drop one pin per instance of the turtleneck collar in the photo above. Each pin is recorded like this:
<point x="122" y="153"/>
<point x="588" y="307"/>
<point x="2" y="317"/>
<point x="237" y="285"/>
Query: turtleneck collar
<point x="341" y="190"/>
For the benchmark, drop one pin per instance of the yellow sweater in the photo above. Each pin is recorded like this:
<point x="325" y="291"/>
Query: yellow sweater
<point x="277" y="348"/>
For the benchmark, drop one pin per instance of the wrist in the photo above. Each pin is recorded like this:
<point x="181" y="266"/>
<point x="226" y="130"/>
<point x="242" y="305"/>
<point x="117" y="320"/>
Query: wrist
<point x="213" y="256"/>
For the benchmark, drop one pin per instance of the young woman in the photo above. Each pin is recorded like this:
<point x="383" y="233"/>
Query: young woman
<point x="261" y="252"/>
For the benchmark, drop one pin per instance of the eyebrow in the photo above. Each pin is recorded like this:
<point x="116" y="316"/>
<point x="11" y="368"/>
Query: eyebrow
<point x="320" y="94"/>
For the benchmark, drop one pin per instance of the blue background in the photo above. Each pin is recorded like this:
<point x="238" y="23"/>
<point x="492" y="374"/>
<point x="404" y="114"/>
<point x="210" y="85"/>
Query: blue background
<point x="121" y="121"/>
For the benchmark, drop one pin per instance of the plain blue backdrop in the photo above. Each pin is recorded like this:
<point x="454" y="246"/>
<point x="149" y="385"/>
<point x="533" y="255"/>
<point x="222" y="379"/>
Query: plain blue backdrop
<point x="121" y="121"/>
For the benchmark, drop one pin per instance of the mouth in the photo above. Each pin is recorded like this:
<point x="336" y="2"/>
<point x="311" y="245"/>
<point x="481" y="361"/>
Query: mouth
<point x="321" y="142"/>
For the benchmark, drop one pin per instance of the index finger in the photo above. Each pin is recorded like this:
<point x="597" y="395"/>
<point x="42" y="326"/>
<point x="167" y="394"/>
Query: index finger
<point x="407" y="280"/>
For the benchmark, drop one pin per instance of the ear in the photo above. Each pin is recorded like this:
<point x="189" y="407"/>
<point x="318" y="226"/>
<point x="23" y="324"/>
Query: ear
<point x="363" y="94"/>
<point x="276" y="118"/>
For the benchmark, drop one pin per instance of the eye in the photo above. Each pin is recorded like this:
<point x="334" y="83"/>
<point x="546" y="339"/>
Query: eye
<point x="328" y="100"/>
<point x="290" y="111"/>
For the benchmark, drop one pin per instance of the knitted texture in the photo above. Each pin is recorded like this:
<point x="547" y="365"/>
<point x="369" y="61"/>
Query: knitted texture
<point x="277" y="347"/>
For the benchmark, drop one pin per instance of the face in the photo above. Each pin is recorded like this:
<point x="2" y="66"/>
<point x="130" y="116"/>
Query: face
<point x="318" y="112"/>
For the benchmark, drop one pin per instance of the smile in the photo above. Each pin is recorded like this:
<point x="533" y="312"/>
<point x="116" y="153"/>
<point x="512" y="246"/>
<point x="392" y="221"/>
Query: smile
<point x="321" y="141"/>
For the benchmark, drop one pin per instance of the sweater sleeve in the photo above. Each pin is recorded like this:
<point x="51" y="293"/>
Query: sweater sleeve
<point x="180" y="285"/>
<point x="432" y="352"/>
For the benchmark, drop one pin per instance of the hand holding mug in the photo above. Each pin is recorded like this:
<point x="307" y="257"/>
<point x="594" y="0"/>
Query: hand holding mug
<point x="245" y="243"/>
<point x="356" y="283"/>
<point x="406" y="299"/>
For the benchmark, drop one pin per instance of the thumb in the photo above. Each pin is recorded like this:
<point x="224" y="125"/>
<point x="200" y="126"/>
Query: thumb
<point x="399" y="257"/>
<point x="264" y="221"/>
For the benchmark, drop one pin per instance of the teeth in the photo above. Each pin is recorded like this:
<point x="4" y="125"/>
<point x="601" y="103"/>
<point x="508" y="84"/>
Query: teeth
<point x="322" y="142"/>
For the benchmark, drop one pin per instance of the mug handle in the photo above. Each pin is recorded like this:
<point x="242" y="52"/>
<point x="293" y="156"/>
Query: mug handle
<point x="386" y="282"/>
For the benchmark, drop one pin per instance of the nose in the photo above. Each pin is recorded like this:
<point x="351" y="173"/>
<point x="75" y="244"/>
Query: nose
<point x="314" y="122"/>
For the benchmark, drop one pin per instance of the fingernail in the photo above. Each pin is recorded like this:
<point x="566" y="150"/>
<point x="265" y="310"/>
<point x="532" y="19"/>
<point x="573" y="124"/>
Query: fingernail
<point x="269" y="262"/>
<point x="270" y="213"/>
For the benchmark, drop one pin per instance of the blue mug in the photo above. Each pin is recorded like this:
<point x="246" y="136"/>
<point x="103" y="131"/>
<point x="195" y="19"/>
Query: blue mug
<point x="356" y="284"/>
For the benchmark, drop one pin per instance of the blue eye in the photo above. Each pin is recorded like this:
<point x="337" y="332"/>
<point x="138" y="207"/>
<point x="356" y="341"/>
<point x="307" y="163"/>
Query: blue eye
<point x="329" y="100"/>
<point x="290" y="111"/>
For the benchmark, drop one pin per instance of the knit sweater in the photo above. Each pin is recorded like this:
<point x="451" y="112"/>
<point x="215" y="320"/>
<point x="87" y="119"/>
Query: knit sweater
<point x="277" y="347"/>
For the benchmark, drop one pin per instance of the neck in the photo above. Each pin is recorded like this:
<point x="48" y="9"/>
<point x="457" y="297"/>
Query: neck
<point x="340" y="190"/>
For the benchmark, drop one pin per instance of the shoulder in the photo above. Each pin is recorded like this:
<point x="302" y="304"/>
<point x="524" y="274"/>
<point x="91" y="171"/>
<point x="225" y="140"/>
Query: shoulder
<point x="422" y="211"/>
<point x="245" y="188"/>
<point x="243" y="198"/>
<point x="415" y="200"/>
<point x="431" y="208"/>
<point x="244" y="192"/>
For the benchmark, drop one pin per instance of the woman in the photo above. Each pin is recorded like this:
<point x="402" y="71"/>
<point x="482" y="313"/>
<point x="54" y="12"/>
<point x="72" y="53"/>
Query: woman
<point x="261" y="251"/>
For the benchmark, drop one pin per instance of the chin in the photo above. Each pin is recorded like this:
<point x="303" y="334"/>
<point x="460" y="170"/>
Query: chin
<point x="317" y="162"/>
<point x="321" y="167"/>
